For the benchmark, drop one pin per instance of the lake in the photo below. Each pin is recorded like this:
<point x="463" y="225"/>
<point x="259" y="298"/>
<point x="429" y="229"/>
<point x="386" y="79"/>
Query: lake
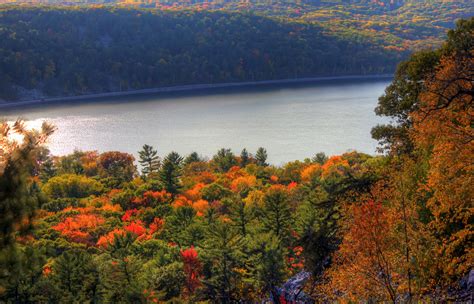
<point x="291" y="121"/>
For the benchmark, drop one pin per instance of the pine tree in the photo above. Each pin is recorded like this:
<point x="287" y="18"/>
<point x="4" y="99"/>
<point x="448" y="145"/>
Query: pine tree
<point x="149" y="160"/>
<point x="192" y="158"/>
<point x="320" y="158"/>
<point x="223" y="255"/>
<point x="76" y="275"/>
<point x="17" y="198"/>
<point x="316" y="223"/>
<point x="224" y="160"/>
<point x="241" y="216"/>
<point x="266" y="262"/>
<point x="261" y="157"/>
<point x="276" y="215"/>
<point x="244" y="158"/>
<point x="170" y="173"/>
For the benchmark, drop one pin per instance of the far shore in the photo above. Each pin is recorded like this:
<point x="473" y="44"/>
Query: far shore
<point x="187" y="88"/>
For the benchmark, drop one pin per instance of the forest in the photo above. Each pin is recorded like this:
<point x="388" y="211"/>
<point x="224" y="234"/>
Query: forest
<point x="47" y="52"/>
<point x="94" y="227"/>
<point x="59" y="48"/>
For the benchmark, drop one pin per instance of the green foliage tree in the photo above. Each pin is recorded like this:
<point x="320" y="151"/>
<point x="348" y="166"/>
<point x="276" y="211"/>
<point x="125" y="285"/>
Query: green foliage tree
<point x="266" y="262"/>
<point x="261" y="157"/>
<point x="224" y="160"/>
<point x="76" y="276"/>
<point x="215" y="192"/>
<point x="320" y="158"/>
<point x="72" y="186"/>
<point x="316" y="223"/>
<point x="222" y="256"/>
<point x="276" y="213"/>
<point x="400" y="99"/>
<point x="170" y="173"/>
<point x="244" y="158"/>
<point x="192" y="158"/>
<point x="121" y="279"/>
<point x="18" y="198"/>
<point x="149" y="160"/>
<point x="45" y="167"/>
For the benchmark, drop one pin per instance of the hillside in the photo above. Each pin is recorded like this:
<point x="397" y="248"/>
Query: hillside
<point x="74" y="51"/>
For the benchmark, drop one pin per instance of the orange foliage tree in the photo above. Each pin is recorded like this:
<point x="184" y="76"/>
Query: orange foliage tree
<point x="443" y="126"/>
<point x="79" y="228"/>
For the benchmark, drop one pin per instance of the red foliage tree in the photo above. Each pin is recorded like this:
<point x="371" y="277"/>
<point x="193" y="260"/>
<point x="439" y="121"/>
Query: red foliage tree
<point x="192" y="269"/>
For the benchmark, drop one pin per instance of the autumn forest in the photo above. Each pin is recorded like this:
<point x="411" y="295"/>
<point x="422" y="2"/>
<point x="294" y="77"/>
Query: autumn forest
<point x="160" y="227"/>
<point x="91" y="227"/>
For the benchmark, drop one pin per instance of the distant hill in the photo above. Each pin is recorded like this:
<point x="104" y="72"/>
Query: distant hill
<point x="73" y="51"/>
<point x="58" y="48"/>
<point x="396" y="24"/>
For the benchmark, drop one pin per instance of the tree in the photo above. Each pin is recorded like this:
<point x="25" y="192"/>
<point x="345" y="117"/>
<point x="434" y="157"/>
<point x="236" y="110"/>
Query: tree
<point x="192" y="158"/>
<point x="192" y="269"/>
<point x="223" y="255"/>
<point x="316" y="224"/>
<point x="366" y="264"/>
<point x="121" y="279"/>
<point x="244" y="158"/>
<point x="117" y="165"/>
<point x="18" y="200"/>
<point x="320" y="158"/>
<point x="443" y="128"/>
<point x="266" y="261"/>
<point x="170" y="173"/>
<point x="76" y="275"/>
<point x="149" y="160"/>
<point x="261" y="157"/>
<point x="400" y="99"/>
<point x="276" y="213"/>
<point x="224" y="160"/>
<point x="45" y="165"/>
<point x="72" y="186"/>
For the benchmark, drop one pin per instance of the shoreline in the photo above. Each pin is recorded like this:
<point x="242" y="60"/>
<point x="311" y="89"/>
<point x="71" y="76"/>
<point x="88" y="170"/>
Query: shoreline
<point x="186" y="88"/>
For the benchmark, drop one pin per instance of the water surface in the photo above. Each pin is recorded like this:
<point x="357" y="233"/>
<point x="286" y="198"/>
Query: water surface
<point x="291" y="122"/>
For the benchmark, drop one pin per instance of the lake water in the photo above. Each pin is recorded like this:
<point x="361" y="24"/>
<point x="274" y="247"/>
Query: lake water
<point x="291" y="122"/>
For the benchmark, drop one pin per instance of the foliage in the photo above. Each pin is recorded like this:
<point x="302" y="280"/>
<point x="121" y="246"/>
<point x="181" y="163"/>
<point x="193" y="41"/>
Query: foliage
<point x="71" y="186"/>
<point x="117" y="49"/>
<point x="149" y="160"/>
<point x="351" y="227"/>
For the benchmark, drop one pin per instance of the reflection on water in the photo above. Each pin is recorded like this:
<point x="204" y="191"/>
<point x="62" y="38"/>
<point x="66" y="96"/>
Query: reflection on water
<point x="292" y="122"/>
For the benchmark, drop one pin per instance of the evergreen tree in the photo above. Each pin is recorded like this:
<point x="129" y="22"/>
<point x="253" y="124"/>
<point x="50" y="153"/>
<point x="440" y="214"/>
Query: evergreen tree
<point x="223" y="255"/>
<point x="44" y="167"/>
<point x="261" y="157"/>
<point x="149" y="160"/>
<point x="121" y="279"/>
<point x="192" y="158"/>
<point x="170" y="173"/>
<point x="241" y="216"/>
<point x="316" y="223"/>
<point x="266" y="262"/>
<point x="76" y="276"/>
<point x="18" y="200"/>
<point x="244" y="158"/>
<point x="320" y="158"/>
<point x="276" y="213"/>
<point x="224" y="160"/>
